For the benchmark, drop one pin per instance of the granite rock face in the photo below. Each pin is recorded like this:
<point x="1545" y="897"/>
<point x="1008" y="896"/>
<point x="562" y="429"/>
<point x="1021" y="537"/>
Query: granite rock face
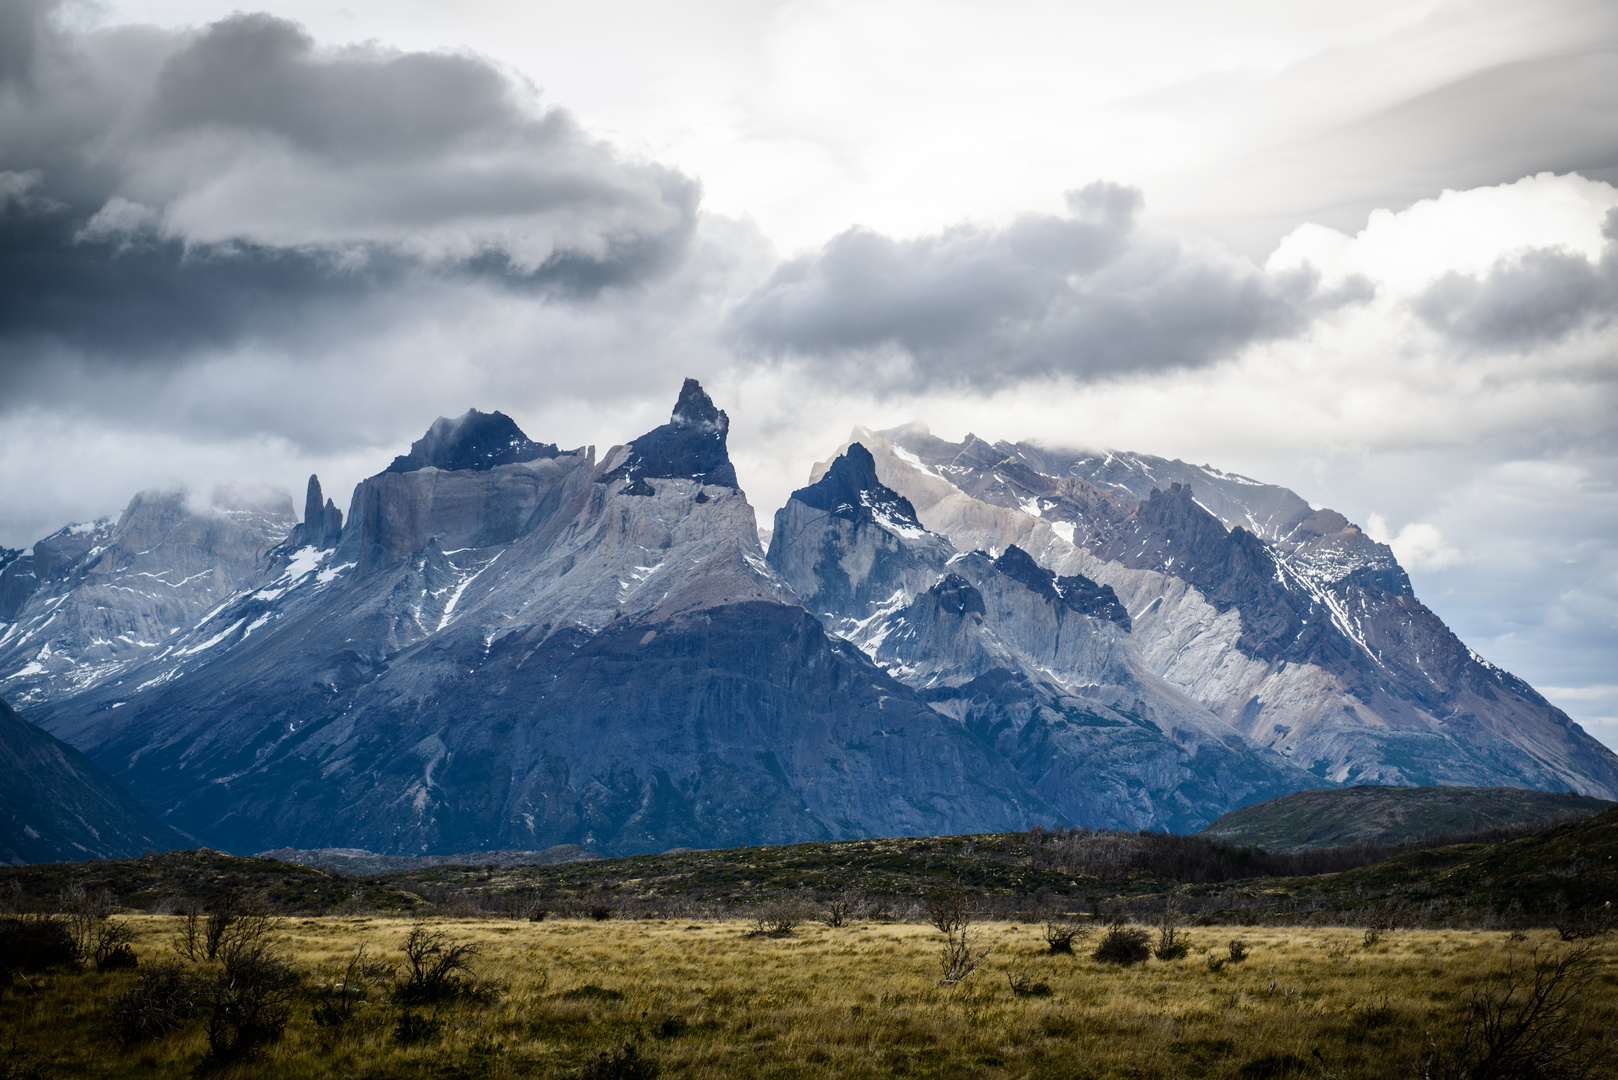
<point x="1289" y="623"/>
<point x="57" y="806"/>
<point x="94" y="602"/>
<point x="558" y="650"/>
<point x="1039" y="666"/>
<point x="505" y="645"/>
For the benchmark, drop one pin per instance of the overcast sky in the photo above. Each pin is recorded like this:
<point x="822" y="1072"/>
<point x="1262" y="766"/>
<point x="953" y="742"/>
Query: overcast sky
<point x="1366" y="249"/>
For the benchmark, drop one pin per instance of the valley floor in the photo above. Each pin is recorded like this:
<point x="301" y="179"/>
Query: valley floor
<point x="709" y="999"/>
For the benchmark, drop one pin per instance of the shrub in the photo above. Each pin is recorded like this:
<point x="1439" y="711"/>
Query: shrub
<point x="1216" y="962"/>
<point x="438" y="969"/>
<point x="1061" y="934"/>
<point x="1172" y="944"/>
<point x="1024" y="986"/>
<point x="248" y="1003"/>
<point x="950" y="910"/>
<point x="838" y="911"/>
<point x="335" y="1002"/>
<point x="84" y="913"/>
<point x="624" y="1063"/>
<point x="162" y="1001"/>
<point x="34" y="943"/>
<point x="672" y="1028"/>
<point x="1529" y="1022"/>
<point x="778" y="916"/>
<point x="189" y="941"/>
<point x="1238" y="950"/>
<point x="1123" y="945"/>
<point x="235" y="927"/>
<point x="111" y="950"/>
<point x="959" y="958"/>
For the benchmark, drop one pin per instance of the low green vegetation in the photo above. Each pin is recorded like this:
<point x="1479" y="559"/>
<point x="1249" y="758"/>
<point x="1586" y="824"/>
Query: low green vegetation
<point x="1376" y="816"/>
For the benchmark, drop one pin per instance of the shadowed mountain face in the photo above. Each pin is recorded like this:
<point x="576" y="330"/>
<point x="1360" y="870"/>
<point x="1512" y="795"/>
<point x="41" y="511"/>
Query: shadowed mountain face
<point x="57" y="806"/>
<point x="1288" y="623"/>
<point x="556" y="650"/>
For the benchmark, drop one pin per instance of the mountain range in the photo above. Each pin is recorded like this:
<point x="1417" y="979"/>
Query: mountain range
<point x="506" y="645"/>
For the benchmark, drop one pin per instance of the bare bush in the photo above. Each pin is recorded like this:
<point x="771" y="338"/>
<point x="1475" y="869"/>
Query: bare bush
<point x="248" y="1004"/>
<point x="164" y="1000"/>
<point x="960" y="956"/>
<point x="778" y="916"/>
<point x="110" y="949"/>
<point x="1123" y="945"/>
<point x="1172" y="943"/>
<point x="839" y="910"/>
<point x="438" y="969"/>
<point x="336" y="1002"/>
<point x="221" y="917"/>
<point x="1528" y="1023"/>
<point x="188" y="942"/>
<point x="1061" y="933"/>
<point x="951" y="910"/>
<point x="85" y="912"/>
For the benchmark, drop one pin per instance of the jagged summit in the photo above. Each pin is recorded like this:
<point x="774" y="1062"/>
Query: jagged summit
<point x="322" y="524"/>
<point x="691" y="446"/>
<point x="1075" y="591"/>
<point x="474" y="440"/>
<point x="850" y="489"/>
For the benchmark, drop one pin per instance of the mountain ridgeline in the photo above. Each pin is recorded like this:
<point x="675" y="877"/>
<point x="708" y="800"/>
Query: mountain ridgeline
<point x="509" y="646"/>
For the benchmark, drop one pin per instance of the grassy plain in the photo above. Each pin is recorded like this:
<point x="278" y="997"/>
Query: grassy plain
<point x="708" y="999"/>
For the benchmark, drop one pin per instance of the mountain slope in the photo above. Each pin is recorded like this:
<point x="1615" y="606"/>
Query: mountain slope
<point x="1041" y="667"/>
<point x="91" y="602"/>
<point x="1386" y="816"/>
<point x="56" y="805"/>
<point x="515" y="654"/>
<point x="1288" y="623"/>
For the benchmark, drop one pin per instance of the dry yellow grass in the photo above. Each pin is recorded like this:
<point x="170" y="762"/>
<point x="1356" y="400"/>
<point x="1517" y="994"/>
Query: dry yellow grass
<point x="705" y="999"/>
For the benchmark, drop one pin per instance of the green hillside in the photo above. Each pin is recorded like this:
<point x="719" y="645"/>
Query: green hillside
<point x="1391" y="816"/>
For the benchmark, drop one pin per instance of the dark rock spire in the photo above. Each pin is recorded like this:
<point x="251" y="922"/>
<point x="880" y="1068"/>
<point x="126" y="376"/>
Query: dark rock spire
<point x="322" y="524"/>
<point x="473" y="440"/>
<point x="691" y="446"/>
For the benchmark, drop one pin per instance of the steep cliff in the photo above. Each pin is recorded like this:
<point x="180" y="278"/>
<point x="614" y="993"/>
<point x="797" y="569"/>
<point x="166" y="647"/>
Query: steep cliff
<point x="546" y="651"/>
<point x="1287" y="622"/>
<point x="1042" y="667"/>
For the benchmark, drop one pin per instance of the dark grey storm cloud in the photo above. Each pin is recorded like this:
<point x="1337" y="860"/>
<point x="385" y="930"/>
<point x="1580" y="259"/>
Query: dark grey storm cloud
<point x="164" y="192"/>
<point x="1530" y="299"/>
<point x="1087" y="295"/>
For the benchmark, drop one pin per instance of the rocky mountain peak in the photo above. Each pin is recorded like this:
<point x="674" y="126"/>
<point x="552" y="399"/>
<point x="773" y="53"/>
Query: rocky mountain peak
<point x="850" y="489"/>
<point x="474" y="440"/>
<point x="1018" y="565"/>
<point x="322" y="523"/>
<point x="695" y="409"/>
<point x="691" y="446"/>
